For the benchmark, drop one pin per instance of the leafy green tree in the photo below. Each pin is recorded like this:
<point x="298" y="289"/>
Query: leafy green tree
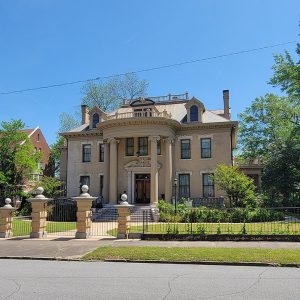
<point x="18" y="158"/>
<point x="266" y="124"/>
<point x="51" y="185"/>
<point x="281" y="176"/>
<point x="238" y="187"/>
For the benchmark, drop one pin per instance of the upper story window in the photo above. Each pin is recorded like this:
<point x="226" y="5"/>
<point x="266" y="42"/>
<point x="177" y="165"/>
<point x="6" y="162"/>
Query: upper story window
<point x="95" y="120"/>
<point x="129" y="146"/>
<point x="143" y="146"/>
<point x="184" y="185"/>
<point x="208" y="185"/>
<point x="101" y="152"/>
<point x="86" y="153"/>
<point x="205" y="147"/>
<point x="194" y="113"/>
<point x="38" y="137"/>
<point x="185" y="148"/>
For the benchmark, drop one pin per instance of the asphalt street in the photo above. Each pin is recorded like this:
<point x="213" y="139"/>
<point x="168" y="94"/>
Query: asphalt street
<point x="33" y="279"/>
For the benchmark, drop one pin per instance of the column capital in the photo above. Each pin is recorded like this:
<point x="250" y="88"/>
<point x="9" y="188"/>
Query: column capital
<point x="169" y="139"/>
<point x="154" y="138"/>
<point x="112" y="141"/>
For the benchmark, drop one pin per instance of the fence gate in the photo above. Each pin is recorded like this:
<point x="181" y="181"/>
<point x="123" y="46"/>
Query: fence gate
<point x="104" y="222"/>
<point x="61" y="217"/>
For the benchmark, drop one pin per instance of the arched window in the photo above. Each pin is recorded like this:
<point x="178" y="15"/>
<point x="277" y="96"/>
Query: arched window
<point x="194" y="113"/>
<point x="95" y="120"/>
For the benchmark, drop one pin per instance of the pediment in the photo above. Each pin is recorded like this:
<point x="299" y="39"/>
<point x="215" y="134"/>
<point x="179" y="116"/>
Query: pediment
<point x="142" y="102"/>
<point x="195" y="101"/>
<point x="98" y="110"/>
<point x="139" y="163"/>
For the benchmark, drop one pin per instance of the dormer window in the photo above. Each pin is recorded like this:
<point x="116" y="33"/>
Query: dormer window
<point x="194" y="110"/>
<point x="194" y="113"/>
<point x="95" y="120"/>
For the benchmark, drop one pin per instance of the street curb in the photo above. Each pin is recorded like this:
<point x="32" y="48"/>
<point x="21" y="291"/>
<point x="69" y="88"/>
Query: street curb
<point x="211" y="263"/>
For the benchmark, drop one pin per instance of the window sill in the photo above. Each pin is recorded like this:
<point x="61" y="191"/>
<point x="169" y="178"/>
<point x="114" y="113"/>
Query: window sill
<point x="185" y="158"/>
<point x="205" y="158"/>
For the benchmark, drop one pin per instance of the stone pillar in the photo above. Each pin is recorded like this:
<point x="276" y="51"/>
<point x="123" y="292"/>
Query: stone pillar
<point x="154" y="170"/>
<point x="106" y="173"/>
<point x="6" y="219"/>
<point x="113" y="174"/>
<point x="84" y="204"/>
<point x="124" y="218"/>
<point x="39" y="214"/>
<point x="168" y="169"/>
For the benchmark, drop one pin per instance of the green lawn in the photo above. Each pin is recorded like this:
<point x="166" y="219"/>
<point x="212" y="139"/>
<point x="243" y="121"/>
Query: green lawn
<point x="23" y="227"/>
<point x="280" y="256"/>
<point x="222" y="228"/>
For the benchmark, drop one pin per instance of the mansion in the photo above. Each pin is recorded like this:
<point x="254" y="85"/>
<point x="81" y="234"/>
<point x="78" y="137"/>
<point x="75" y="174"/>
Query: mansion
<point x="146" y="147"/>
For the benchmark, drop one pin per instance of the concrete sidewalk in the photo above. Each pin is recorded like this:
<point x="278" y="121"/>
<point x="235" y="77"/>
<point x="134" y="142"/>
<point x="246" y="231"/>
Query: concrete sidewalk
<point x="71" y="248"/>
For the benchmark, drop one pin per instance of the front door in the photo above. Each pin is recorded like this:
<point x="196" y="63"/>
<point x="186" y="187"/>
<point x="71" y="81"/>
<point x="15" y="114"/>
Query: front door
<point x="142" y="188"/>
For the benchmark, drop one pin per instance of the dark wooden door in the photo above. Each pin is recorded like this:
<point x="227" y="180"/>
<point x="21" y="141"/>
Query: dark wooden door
<point x="142" y="189"/>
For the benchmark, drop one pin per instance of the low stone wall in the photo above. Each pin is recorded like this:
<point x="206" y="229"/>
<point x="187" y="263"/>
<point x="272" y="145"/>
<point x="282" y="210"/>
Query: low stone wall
<point x="221" y="237"/>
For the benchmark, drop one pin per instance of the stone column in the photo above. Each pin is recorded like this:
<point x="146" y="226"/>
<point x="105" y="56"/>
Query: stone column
<point x="124" y="218"/>
<point x="39" y="214"/>
<point x="168" y="169"/>
<point x="6" y="219"/>
<point x="84" y="204"/>
<point x="106" y="173"/>
<point x="154" y="170"/>
<point x="113" y="174"/>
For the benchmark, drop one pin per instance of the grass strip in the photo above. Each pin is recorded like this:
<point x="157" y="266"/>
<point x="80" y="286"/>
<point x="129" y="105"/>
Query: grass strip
<point x="176" y="254"/>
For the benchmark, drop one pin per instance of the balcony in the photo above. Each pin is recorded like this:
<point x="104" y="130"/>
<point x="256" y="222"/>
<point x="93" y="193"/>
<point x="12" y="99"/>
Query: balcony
<point x="140" y="114"/>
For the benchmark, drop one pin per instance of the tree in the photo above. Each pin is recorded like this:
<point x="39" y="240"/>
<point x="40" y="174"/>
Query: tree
<point x="237" y="186"/>
<point x="281" y="176"/>
<point x="52" y="186"/>
<point x="18" y="158"/>
<point x="269" y="129"/>
<point x="109" y="95"/>
<point x="266" y="124"/>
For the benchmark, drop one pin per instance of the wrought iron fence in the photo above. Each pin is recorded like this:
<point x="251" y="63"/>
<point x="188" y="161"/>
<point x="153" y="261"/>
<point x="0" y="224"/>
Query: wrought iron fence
<point x="264" y="221"/>
<point x="104" y="222"/>
<point x="21" y="226"/>
<point x="61" y="217"/>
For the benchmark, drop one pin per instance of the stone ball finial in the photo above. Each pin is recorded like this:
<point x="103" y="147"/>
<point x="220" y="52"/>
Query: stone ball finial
<point x="124" y="198"/>
<point x="39" y="192"/>
<point x="84" y="188"/>
<point x="7" y="201"/>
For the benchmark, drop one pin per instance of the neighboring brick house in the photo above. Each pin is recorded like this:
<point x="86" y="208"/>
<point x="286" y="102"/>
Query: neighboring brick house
<point x="144" y="145"/>
<point x="40" y="144"/>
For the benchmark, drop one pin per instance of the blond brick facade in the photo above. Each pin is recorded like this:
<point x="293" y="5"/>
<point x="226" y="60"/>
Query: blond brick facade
<point x="144" y="145"/>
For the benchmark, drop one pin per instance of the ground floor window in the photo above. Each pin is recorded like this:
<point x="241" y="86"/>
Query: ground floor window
<point x="208" y="185"/>
<point x="101" y="185"/>
<point x="184" y="186"/>
<point x="84" y="180"/>
<point x="143" y="146"/>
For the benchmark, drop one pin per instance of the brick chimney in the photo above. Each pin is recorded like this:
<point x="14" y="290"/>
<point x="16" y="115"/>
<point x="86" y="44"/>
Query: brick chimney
<point x="84" y="114"/>
<point x="226" y="104"/>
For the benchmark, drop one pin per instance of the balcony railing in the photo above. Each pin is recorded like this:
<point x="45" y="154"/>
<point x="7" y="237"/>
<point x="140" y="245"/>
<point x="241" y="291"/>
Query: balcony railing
<point x="140" y="114"/>
<point x="170" y="97"/>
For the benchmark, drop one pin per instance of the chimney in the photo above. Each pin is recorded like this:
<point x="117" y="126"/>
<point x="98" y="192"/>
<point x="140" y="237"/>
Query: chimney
<point x="84" y="114"/>
<point x="226" y="104"/>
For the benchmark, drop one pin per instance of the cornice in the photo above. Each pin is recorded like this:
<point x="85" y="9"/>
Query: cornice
<point x="82" y="133"/>
<point x="195" y="126"/>
<point x="139" y="121"/>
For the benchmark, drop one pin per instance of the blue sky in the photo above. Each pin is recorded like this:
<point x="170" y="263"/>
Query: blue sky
<point x="47" y="42"/>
